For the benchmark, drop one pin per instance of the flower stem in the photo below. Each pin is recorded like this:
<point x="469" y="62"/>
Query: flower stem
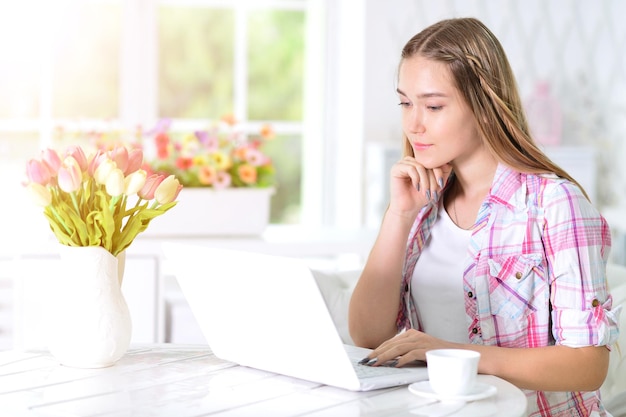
<point x="60" y="220"/>
<point x="73" y="195"/>
<point x="113" y="202"/>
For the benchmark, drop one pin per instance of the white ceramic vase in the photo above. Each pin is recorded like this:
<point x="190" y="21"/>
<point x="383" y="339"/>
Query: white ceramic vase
<point x="89" y="321"/>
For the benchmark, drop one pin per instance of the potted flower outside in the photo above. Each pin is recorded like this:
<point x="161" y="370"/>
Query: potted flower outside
<point x="228" y="179"/>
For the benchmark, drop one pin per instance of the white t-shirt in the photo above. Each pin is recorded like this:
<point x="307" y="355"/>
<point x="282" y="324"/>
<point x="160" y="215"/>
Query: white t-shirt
<point x="437" y="282"/>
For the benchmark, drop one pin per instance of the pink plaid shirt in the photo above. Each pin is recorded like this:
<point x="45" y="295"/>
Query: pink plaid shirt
<point x="534" y="275"/>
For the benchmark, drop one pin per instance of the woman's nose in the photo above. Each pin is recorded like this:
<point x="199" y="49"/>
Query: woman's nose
<point x="415" y="122"/>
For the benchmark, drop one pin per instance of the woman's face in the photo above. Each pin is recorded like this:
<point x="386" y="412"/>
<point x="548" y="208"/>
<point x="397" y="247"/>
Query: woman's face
<point x="435" y="118"/>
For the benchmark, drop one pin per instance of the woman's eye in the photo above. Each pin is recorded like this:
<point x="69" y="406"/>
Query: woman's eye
<point x="434" y="108"/>
<point x="404" y="104"/>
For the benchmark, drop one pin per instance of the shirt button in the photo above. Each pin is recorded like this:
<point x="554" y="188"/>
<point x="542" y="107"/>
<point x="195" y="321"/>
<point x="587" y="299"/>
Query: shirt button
<point x="595" y="303"/>
<point x="470" y="294"/>
<point x="475" y="330"/>
<point x="518" y="275"/>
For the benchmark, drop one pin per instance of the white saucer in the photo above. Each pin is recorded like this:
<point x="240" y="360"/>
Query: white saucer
<point x="479" y="392"/>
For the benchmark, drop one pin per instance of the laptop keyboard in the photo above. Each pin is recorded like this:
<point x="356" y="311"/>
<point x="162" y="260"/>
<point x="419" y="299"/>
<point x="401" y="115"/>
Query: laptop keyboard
<point x="364" y="371"/>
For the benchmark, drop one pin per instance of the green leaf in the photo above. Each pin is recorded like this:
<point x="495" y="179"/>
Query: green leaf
<point x="58" y="230"/>
<point x="77" y="228"/>
<point x="96" y="231"/>
<point x="136" y="224"/>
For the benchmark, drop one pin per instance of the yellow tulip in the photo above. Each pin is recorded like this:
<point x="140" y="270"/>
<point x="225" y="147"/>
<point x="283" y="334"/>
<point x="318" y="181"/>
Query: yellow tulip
<point x="115" y="182"/>
<point x="39" y="194"/>
<point x="134" y="182"/>
<point x="168" y="190"/>
<point x="101" y="174"/>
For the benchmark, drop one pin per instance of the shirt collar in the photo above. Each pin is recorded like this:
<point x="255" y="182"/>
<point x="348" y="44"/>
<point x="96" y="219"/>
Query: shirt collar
<point x="508" y="187"/>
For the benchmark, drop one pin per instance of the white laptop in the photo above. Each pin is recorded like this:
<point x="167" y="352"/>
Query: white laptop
<point x="267" y="312"/>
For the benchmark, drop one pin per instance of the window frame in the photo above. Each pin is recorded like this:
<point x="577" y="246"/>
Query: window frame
<point x="331" y="129"/>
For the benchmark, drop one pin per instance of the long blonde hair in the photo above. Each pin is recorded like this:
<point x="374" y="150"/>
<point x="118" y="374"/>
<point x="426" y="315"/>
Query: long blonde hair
<point x="483" y="75"/>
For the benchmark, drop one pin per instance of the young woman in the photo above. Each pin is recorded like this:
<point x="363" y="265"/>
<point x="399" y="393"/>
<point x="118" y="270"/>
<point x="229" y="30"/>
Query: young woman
<point x="486" y="243"/>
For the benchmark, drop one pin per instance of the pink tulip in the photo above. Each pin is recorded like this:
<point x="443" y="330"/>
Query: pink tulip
<point x="148" y="189"/>
<point x="38" y="172"/>
<point x="52" y="160"/>
<point x="135" y="161"/>
<point x="119" y="155"/>
<point x="79" y="155"/>
<point x="95" y="162"/>
<point x="168" y="190"/>
<point x="70" y="175"/>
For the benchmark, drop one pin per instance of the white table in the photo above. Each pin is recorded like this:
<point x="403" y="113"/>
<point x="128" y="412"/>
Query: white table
<point x="180" y="381"/>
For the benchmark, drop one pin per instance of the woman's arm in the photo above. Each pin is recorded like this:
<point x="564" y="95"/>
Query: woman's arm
<point x="375" y="301"/>
<point x="576" y="241"/>
<point x="550" y="368"/>
<point x="376" y="298"/>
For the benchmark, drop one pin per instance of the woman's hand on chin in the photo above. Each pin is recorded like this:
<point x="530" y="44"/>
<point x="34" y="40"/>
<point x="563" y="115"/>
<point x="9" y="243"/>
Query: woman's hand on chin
<point x="413" y="186"/>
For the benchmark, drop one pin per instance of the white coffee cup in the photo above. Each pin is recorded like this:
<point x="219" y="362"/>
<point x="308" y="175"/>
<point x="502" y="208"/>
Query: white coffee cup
<point x="452" y="372"/>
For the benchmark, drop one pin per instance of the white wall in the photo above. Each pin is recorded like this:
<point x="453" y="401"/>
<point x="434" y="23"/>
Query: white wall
<point x="578" y="46"/>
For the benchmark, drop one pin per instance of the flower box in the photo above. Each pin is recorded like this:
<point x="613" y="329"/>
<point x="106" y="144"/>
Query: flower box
<point x="215" y="212"/>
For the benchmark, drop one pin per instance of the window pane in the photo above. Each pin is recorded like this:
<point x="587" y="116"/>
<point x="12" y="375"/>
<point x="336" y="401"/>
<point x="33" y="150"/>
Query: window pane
<point x="20" y="61"/>
<point x="276" y="62"/>
<point x="195" y="62"/>
<point x="86" y="61"/>
<point x="20" y="219"/>
<point x="19" y="83"/>
<point x="286" y="152"/>
<point x="18" y="147"/>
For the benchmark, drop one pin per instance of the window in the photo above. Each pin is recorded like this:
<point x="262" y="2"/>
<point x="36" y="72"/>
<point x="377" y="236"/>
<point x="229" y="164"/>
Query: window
<point x="84" y="74"/>
<point x="196" y="62"/>
<point x="243" y="60"/>
<point x="110" y="65"/>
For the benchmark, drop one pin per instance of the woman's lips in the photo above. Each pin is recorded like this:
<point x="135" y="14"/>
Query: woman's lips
<point x="421" y="146"/>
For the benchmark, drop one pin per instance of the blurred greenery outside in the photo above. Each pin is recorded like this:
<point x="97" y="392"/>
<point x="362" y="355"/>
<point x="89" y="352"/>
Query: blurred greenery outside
<point x="196" y="70"/>
<point x="196" y="65"/>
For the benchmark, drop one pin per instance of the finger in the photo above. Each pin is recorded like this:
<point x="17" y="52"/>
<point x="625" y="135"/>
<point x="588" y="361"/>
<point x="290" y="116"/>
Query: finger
<point x="411" y="357"/>
<point x="407" y="168"/>
<point x="428" y="183"/>
<point x="391" y="353"/>
<point x="424" y="182"/>
<point x="395" y="347"/>
<point x="433" y="185"/>
<point x="442" y="174"/>
<point x="375" y="358"/>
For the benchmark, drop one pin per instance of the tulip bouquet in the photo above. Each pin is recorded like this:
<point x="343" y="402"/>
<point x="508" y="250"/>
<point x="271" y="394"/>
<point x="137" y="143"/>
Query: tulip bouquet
<point x="104" y="200"/>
